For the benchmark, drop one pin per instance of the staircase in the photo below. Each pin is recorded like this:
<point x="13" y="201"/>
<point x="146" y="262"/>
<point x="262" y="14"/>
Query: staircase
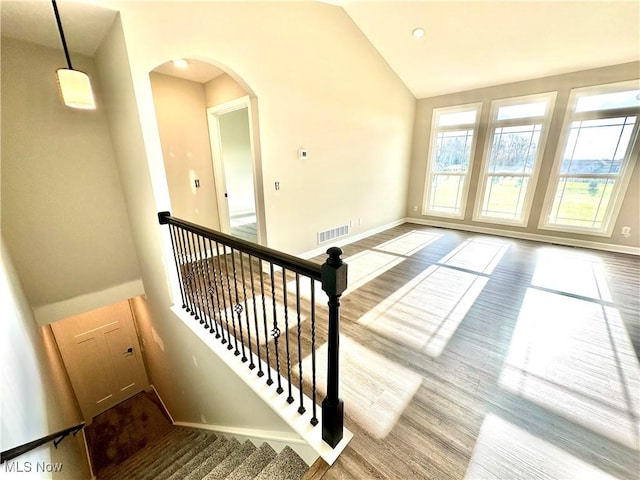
<point x="191" y="454"/>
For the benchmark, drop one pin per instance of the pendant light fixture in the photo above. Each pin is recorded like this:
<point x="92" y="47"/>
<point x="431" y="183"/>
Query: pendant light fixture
<point x="75" y="86"/>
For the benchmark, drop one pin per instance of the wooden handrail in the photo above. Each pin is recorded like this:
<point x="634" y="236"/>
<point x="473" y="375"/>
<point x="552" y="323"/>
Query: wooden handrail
<point x="285" y="260"/>
<point x="24" y="448"/>
<point x="202" y="285"/>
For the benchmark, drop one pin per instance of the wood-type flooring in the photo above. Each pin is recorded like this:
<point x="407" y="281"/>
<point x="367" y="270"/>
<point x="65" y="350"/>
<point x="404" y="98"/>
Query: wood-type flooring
<point x="468" y="356"/>
<point x="525" y="354"/>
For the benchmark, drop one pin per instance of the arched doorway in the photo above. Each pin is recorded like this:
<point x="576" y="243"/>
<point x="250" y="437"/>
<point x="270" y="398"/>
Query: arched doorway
<point x="210" y="144"/>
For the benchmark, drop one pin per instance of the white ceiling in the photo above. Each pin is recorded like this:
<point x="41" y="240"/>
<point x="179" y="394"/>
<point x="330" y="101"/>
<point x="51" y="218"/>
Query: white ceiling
<point x="481" y="43"/>
<point x="84" y="24"/>
<point x="196" y="71"/>
<point x="467" y="44"/>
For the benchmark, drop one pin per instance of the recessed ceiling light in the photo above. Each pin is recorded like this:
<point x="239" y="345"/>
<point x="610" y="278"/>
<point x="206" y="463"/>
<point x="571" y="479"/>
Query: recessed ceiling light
<point x="180" y="63"/>
<point x="418" y="32"/>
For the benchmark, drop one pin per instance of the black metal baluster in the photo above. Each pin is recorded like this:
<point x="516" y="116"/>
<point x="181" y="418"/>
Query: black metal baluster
<point x="196" y="287"/>
<point x="183" y="268"/>
<point x="224" y="301"/>
<point x="246" y="313"/>
<point x="214" y="287"/>
<point x="202" y="291"/>
<point x="264" y="318"/>
<point x="226" y="272"/>
<point x="301" y="409"/>
<point x="213" y="326"/>
<point x="172" y="233"/>
<point x="237" y="308"/>
<point x="286" y="331"/>
<point x="276" y="331"/>
<point x="255" y="318"/>
<point x="314" y="417"/>
<point x="190" y="275"/>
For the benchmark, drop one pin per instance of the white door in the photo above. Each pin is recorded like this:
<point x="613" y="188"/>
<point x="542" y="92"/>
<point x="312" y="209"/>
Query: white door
<point x="101" y="352"/>
<point x="233" y="157"/>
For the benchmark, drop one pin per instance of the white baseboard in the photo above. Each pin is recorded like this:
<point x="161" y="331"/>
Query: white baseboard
<point x="347" y="240"/>
<point x="277" y="440"/>
<point x="53" y="312"/>
<point x="571" y="242"/>
<point x="299" y="423"/>
<point x="164" y="406"/>
<point x="263" y="435"/>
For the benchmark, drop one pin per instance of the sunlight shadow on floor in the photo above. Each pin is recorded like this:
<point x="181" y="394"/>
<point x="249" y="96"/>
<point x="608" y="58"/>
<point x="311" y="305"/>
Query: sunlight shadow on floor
<point x="480" y="255"/>
<point x="504" y="450"/>
<point x="425" y="312"/>
<point x="574" y="357"/>
<point x="576" y="273"/>
<point x="375" y="390"/>
<point x="370" y="264"/>
<point x="280" y="316"/>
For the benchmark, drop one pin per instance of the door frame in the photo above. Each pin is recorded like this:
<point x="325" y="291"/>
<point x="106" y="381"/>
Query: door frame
<point x="213" y="119"/>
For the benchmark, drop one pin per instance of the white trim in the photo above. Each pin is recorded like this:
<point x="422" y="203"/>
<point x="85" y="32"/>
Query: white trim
<point x="621" y="180"/>
<point x="532" y="177"/>
<point x="571" y="242"/>
<point x="53" y="312"/>
<point x="87" y="454"/>
<point x="347" y="240"/>
<point x="277" y="440"/>
<point x="278" y="403"/>
<point x="164" y="406"/>
<point x="213" y="114"/>
<point x="266" y="435"/>
<point x="477" y="106"/>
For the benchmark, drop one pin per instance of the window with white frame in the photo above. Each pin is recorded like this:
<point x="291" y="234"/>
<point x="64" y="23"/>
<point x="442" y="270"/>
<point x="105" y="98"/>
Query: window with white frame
<point x="453" y="139"/>
<point x="593" y="162"/>
<point x="516" y="138"/>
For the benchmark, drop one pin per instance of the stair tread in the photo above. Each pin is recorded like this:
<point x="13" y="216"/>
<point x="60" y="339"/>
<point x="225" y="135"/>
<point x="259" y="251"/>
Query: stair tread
<point x="233" y="460"/>
<point x="179" y="462"/>
<point x="176" y="434"/>
<point x="146" y="461"/>
<point x="286" y="466"/>
<point x="254" y="463"/>
<point x="162" y="462"/>
<point x="198" y="459"/>
<point x="211" y="462"/>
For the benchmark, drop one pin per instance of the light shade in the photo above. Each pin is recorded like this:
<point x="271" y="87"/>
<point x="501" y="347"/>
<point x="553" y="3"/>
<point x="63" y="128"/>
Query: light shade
<point x="76" y="90"/>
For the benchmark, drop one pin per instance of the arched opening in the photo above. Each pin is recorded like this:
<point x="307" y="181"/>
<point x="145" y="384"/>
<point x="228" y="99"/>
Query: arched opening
<point x="209" y="136"/>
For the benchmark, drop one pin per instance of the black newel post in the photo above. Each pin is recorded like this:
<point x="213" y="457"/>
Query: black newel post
<point x="162" y="217"/>
<point x="334" y="283"/>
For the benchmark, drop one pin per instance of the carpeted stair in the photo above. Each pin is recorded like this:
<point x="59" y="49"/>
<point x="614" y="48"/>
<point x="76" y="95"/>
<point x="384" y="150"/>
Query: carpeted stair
<point x="192" y="454"/>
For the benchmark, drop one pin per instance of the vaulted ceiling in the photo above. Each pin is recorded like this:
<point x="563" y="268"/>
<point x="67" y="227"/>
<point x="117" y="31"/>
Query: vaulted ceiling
<point x="466" y="45"/>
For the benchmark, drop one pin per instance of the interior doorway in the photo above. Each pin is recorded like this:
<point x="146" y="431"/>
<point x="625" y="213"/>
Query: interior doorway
<point x="231" y="134"/>
<point x="103" y="357"/>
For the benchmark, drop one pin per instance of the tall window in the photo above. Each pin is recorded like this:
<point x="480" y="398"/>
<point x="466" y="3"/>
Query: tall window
<point x="453" y="139"/>
<point x="517" y="135"/>
<point x="593" y="165"/>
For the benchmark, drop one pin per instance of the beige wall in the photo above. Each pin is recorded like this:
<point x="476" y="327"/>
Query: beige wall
<point x="37" y="399"/>
<point x="184" y="134"/>
<point x="357" y="126"/>
<point x="63" y="211"/>
<point x="208" y="391"/>
<point x="343" y="104"/>
<point x="237" y="161"/>
<point x="223" y="89"/>
<point x="563" y="85"/>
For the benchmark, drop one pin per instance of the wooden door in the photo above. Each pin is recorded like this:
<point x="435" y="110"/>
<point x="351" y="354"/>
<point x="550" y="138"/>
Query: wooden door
<point x="101" y="352"/>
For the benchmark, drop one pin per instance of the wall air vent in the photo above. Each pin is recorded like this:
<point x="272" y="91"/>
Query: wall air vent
<point x="333" y="233"/>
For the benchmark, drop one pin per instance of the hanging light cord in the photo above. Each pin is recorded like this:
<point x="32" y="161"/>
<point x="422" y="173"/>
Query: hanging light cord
<point x="64" y="42"/>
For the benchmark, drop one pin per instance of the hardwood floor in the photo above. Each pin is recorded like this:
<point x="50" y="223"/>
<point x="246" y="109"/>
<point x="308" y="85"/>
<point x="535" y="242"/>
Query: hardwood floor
<point x="470" y="356"/>
<point x="526" y="357"/>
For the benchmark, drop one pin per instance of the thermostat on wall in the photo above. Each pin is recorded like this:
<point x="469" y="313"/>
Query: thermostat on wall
<point x="302" y="154"/>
